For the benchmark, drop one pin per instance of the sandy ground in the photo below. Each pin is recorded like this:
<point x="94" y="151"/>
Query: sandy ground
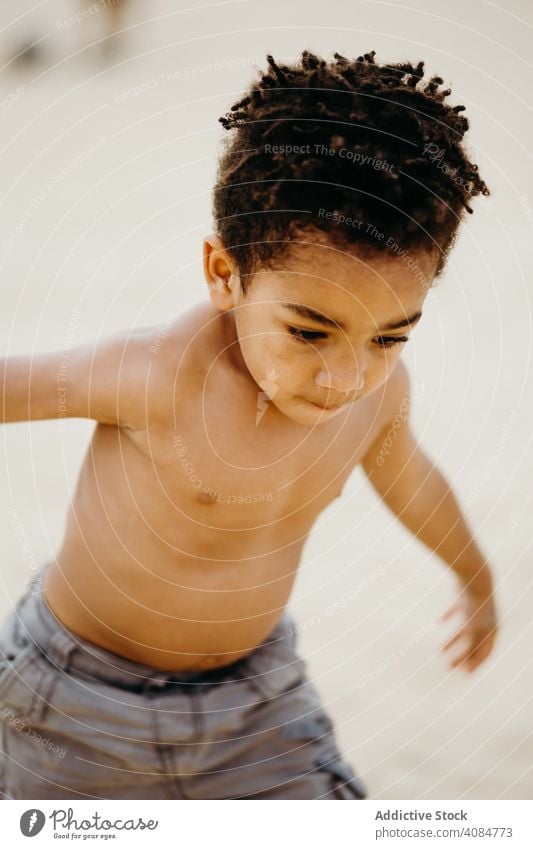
<point x="106" y="172"/>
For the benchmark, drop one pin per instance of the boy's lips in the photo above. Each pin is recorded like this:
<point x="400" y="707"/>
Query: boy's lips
<point x="329" y="406"/>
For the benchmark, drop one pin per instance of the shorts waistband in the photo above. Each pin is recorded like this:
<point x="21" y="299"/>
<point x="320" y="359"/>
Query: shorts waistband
<point x="69" y="652"/>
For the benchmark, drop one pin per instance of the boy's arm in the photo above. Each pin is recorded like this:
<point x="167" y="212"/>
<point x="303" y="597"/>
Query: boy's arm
<point x="106" y="381"/>
<point x="416" y="491"/>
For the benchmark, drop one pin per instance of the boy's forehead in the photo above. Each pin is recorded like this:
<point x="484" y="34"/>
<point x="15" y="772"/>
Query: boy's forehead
<point x="330" y="280"/>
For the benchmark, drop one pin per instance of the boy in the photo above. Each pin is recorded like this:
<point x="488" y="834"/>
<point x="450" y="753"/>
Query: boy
<point x="154" y="652"/>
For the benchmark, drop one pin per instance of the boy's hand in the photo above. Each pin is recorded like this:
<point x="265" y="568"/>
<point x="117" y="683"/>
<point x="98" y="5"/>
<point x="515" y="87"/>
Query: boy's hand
<point x="478" y="630"/>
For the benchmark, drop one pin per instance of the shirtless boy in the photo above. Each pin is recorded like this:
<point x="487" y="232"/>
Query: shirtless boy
<point x="155" y="651"/>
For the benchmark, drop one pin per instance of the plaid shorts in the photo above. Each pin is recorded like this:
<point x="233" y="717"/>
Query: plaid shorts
<point x="80" y="722"/>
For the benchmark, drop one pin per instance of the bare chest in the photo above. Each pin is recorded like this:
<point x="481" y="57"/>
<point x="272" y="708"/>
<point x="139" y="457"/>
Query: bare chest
<point x="226" y="472"/>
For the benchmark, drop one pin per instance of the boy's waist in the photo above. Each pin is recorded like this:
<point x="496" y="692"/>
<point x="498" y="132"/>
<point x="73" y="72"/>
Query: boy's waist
<point x="173" y="615"/>
<point x="69" y="652"/>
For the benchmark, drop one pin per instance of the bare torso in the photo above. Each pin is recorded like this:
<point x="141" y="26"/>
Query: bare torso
<point x="183" y="540"/>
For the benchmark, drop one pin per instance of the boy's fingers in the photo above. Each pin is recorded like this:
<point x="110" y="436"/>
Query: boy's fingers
<point x="472" y="659"/>
<point x="460" y="659"/>
<point x="460" y="635"/>
<point x="486" y="645"/>
<point x="447" y="613"/>
<point x="467" y="650"/>
<point x="455" y="607"/>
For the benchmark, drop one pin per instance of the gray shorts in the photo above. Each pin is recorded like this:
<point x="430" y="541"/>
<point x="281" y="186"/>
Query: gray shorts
<point x="80" y="722"/>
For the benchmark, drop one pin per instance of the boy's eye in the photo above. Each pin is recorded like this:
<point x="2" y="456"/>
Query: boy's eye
<point x="306" y="335"/>
<point x="390" y="341"/>
<point x="314" y="335"/>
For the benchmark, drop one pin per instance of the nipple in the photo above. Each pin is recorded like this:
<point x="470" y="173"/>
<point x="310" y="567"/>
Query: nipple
<point x="207" y="496"/>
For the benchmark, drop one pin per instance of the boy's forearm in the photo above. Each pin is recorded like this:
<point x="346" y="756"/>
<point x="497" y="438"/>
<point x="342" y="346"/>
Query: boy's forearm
<point x="31" y="387"/>
<point x="14" y="406"/>
<point x="433" y="514"/>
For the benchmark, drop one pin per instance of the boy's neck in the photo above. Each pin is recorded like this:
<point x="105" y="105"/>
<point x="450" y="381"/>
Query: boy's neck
<point x="232" y="348"/>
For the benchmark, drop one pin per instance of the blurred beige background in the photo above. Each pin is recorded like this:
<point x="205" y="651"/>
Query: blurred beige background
<point x="106" y="170"/>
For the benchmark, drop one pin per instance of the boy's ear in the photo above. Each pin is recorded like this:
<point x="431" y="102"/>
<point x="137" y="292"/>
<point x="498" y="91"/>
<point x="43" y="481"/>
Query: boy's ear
<point x="220" y="272"/>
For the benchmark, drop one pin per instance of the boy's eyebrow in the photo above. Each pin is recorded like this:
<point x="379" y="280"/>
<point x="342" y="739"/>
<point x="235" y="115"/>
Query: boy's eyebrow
<point x="403" y="322"/>
<point x="320" y="318"/>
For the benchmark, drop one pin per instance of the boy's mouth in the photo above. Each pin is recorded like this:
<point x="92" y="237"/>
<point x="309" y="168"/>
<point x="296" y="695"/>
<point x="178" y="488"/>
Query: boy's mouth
<point x="329" y="406"/>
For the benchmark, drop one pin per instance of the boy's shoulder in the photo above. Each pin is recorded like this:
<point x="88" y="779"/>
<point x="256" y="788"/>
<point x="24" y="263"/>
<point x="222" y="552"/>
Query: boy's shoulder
<point x="182" y="339"/>
<point x="392" y="400"/>
<point x="399" y="388"/>
<point x="144" y="368"/>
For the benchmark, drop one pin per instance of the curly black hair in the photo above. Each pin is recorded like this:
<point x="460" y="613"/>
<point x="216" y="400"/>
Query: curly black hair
<point x="348" y="147"/>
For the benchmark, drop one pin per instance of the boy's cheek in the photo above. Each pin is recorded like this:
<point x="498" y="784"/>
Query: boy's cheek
<point x="266" y="361"/>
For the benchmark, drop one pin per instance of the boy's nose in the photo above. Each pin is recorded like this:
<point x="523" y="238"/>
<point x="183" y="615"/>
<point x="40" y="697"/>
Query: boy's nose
<point x="342" y="381"/>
